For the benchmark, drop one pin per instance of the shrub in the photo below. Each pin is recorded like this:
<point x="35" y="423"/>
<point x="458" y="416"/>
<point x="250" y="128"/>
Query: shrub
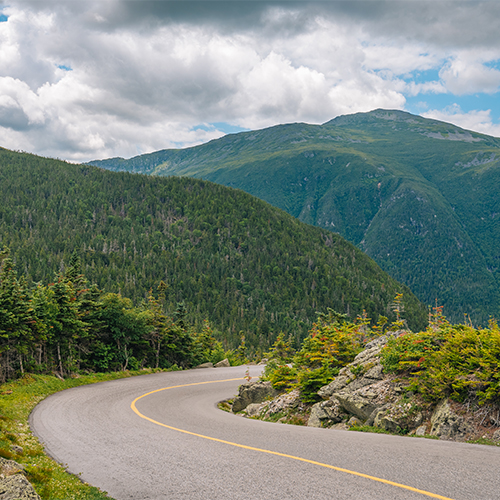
<point x="456" y="361"/>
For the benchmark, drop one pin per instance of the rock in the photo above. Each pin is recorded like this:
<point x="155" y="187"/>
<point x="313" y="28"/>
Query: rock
<point x="421" y="431"/>
<point x="17" y="487"/>
<point x="353" y="421"/>
<point x="9" y="467"/>
<point x="16" y="449"/>
<point x="263" y="361"/>
<point x="325" y="412"/>
<point x="365" y="370"/>
<point x="283" y="402"/>
<point x="355" y="404"/>
<point x="205" y="365"/>
<point x="334" y="386"/>
<point x="446" y="424"/>
<point x="222" y="364"/>
<point x="253" y="409"/>
<point x="385" y="422"/>
<point x="496" y="435"/>
<point x="252" y="392"/>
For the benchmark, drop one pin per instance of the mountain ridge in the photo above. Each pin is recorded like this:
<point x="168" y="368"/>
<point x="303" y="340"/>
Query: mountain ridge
<point x="232" y="258"/>
<point x="415" y="194"/>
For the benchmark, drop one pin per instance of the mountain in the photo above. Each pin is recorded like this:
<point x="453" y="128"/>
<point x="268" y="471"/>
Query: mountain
<point x="232" y="258"/>
<point x="419" y="196"/>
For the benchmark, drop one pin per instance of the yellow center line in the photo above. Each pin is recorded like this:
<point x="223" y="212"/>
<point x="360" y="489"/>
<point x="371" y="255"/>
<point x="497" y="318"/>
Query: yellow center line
<point x="270" y="452"/>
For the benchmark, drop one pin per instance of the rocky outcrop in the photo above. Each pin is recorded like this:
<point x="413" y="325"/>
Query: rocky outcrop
<point x="252" y="392"/>
<point x="359" y="390"/>
<point x="222" y="364"/>
<point x="363" y="395"/>
<point x="446" y="424"/>
<point x="13" y="484"/>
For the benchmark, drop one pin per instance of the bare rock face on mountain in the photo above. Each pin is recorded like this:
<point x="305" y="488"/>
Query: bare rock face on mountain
<point x="363" y="395"/>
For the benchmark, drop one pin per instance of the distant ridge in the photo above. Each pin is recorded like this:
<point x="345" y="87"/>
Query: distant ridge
<point x="246" y="266"/>
<point x="419" y="196"/>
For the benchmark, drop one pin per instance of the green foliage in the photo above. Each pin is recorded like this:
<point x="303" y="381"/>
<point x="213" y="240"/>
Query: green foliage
<point x="310" y="381"/>
<point x="282" y="350"/>
<point x="456" y="361"/>
<point x="417" y="195"/>
<point x="227" y="256"/>
<point x="281" y="376"/>
<point x="332" y="343"/>
<point x="68" y="327"/>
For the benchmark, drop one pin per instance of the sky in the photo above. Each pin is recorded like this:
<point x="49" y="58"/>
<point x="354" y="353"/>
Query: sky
<point x="91" y="79"/>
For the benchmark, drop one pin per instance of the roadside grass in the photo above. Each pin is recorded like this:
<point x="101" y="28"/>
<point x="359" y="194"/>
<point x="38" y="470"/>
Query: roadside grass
<point x="17" y="400"/>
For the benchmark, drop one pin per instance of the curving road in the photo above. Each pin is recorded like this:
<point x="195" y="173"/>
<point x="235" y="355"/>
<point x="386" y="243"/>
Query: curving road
<point x="155" y="447"/>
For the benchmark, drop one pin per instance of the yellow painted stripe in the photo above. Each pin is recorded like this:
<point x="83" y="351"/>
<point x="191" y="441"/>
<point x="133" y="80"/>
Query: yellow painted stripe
<point x="269" y="452"/>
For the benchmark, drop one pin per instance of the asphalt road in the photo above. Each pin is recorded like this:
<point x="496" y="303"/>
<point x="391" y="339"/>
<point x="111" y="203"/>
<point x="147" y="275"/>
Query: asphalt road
<point x="157" y="448"/>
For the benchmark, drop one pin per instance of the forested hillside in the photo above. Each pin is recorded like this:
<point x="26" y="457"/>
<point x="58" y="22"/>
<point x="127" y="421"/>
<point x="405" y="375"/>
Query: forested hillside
<point x="247" y="267"/>
<point x="417" y="195"/>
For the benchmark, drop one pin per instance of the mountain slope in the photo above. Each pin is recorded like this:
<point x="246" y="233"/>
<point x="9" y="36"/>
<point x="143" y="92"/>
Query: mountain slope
<point x="231" y="257"/>
<point x="417" y="195"/>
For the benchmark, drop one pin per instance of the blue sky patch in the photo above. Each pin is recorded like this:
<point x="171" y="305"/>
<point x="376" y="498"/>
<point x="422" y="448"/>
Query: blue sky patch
<point x="431" y="75"/>
<point x="221" y="126"/>
<point x="64" y="67"/>
<point x="425" y="102"/>
<point x="3" y="18"/>
<point x="227" y="128"/>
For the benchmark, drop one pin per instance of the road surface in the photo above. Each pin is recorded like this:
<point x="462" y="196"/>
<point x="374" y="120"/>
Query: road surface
<point x="161" y="436"/>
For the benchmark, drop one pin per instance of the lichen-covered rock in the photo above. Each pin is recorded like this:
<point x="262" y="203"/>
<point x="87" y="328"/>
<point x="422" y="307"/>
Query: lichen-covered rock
<point x="355" y="404"/>
<point x="17" y="487"/>
<point x="337" y="384"/>
<point x="254" y="409"/>
<point x="421" y="430"/>
<point x="252" y="392"/>
<point x="325" y="413"/>
<point x="446" y="424"/>
<point x="496" y="435"/>
<point x="283" y="402"/>
<point x="365" y="370"/>
<point x="9" y="467"/>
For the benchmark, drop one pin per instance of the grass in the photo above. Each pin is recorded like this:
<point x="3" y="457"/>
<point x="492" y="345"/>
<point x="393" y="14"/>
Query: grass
<point x="17" y="400"/>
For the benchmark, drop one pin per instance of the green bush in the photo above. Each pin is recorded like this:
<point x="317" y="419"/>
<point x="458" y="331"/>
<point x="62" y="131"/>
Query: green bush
<point x="311" y="381"/>
<point x="456" y="361"/>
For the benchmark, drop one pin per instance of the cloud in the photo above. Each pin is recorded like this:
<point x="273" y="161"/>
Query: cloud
<point x="145" y="74"/>
<point x="477" y="120"/>
<point x="465" y="74"/>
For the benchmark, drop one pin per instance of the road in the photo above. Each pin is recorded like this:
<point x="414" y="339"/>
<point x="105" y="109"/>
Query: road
<point x="161" y="436"/>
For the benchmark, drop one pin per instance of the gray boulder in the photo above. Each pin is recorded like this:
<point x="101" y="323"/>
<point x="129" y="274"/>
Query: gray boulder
<point x="446" y="424"/>
<point x="17" y="487"/>
<point x="325" y="412"/>
<point x="205" y="365"/>
<point x="356" y="405"/>
<point x="253" y="392"/>
<point x="222" y="364"/>
<point x="253" y="409"/>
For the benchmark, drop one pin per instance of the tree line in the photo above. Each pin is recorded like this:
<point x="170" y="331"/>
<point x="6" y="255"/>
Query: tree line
<point x="70" y="326"/>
